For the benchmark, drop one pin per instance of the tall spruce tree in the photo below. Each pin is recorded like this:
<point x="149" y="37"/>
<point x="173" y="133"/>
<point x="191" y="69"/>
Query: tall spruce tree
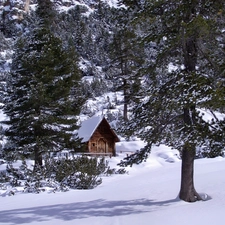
<point x="126" y="58"/>
<point x="44" y="92"/>
<point x="184" y="77"/>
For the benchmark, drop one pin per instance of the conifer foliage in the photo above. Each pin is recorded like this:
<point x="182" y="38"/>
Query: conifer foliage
<point x="181" y="80"/>
<point x="43" y="90"/>
<point x="126" y="58"/>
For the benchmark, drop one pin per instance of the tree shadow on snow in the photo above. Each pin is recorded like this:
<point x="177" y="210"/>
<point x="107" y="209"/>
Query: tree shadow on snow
<point x="80" y="210"/>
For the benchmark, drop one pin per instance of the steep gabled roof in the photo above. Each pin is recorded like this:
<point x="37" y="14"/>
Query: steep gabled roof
<point x="89" y="126"/>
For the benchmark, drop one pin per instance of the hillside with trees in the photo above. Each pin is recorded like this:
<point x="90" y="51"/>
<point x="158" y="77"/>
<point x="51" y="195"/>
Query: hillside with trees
<point x="166" y="58"/>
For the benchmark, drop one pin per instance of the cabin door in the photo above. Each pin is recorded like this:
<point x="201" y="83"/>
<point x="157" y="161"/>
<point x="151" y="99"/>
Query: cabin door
<point x="101" y="145"/>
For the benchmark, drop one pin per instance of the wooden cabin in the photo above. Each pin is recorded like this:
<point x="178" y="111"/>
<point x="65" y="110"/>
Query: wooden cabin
<point x="98" y="136"/>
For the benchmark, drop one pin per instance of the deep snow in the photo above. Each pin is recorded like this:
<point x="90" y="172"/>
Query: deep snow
<point x="146" y="195"/>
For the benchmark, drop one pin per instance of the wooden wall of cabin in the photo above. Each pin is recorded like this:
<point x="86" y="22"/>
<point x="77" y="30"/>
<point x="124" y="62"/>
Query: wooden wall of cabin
<point x="102" y="141"/>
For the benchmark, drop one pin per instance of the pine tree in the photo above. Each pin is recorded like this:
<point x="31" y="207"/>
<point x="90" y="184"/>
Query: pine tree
<point x="44" y="90"/>
<point x="126" y="58"/>
<point x="182" y="78"/>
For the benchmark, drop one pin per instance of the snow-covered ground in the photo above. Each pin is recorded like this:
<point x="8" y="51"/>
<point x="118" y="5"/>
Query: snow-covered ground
<point x="146" y="195"/>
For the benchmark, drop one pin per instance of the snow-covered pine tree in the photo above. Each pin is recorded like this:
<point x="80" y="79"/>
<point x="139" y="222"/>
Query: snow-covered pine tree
<point x="126" y="55"/>
<point x="182" y="78"/>
<point x="44" y="90"/>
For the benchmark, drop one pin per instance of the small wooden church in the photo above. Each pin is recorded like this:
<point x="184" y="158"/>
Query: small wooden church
<point x="98" y="136"/>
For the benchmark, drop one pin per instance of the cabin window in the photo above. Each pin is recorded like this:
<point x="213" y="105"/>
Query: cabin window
<point x="93" y="144"/>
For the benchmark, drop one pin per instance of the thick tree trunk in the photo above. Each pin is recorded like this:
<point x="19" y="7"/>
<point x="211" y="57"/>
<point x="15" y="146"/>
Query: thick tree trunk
<point x="187" y="189"/>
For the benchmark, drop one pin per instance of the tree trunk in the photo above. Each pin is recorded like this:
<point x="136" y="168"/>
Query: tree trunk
<point x="27" y="6"/>
<point x="187" y="189"/>
<point x="37" y="158"/>
<point x="126" y="100"/>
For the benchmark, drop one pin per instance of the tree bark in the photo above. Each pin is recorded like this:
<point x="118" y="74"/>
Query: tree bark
<point x="126" y="100"/>
<point x="37" y="158"/>
<point x="187" y="189"/>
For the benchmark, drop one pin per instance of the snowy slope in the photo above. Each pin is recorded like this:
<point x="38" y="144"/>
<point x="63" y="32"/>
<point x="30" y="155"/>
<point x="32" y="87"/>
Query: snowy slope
<point x="147" y="195"/>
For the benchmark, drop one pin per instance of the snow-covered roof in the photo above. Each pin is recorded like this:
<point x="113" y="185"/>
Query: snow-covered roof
<point x="88" y="127"/>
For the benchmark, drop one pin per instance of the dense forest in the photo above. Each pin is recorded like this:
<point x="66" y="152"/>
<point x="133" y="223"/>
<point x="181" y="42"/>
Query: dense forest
<point x="166" y="58"/>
